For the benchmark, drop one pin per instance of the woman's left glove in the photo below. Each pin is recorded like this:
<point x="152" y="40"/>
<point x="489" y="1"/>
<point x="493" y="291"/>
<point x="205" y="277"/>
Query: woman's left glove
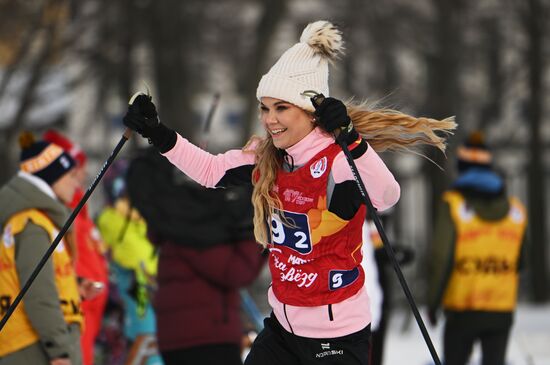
<point x="142" y="117"/>
<point x="332" y="116"/>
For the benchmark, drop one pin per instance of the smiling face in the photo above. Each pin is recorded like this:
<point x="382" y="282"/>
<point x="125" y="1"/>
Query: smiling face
<point x="286" y="123"/>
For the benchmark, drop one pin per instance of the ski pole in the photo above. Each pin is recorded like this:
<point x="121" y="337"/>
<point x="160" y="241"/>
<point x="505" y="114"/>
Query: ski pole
<point x="125" y="136"/>
<point x="208" y="121"/>
<point x="252" y="310"/>
<point x="317" y="99"/>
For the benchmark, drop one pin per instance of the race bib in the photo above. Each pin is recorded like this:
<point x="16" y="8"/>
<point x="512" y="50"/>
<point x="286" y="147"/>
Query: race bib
<point x="296" y="236"/>
<point x="342" y="278"/>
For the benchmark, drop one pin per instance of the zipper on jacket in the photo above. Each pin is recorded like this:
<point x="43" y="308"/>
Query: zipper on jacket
<point x="330" y="315"/>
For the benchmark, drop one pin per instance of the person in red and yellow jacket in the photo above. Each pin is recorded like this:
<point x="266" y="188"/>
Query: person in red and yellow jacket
<point x="477" y="252"/>
<point x="45" y="327"/>
<point x="91" y="264"/>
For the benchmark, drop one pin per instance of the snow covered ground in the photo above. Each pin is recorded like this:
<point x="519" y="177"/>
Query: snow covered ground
<point x="529" y="342"/>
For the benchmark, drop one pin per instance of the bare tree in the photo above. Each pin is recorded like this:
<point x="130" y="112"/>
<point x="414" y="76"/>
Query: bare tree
<point x="272" y="11"/>
<point x="169" y="23"/>
<point x="534" y="18"/>
<point x="44" y="33"/>
<point x="492" y="110"/>
<point x="443" y="91"/>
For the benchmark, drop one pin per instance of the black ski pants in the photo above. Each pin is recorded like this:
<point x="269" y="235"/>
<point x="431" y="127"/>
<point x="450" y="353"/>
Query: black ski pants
<point x="221" y="354"/>
<point x="462" y="330"/>
<point x="275" y="346"/>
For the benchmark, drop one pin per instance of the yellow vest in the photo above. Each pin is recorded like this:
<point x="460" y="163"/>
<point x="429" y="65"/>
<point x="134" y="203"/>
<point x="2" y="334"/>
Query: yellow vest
<point x="484" y="275"/>
<point x="18" y="331"/>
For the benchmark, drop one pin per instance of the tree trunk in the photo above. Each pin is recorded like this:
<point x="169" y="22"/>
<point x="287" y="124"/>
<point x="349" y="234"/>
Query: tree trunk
<point x="533" y="21"/>
<point x="272" y="12"/>
<point x="167" y="31"/>
<point x="492" y="111"/>
<point x="443" y="88"/>
<point x="35" y="73"/>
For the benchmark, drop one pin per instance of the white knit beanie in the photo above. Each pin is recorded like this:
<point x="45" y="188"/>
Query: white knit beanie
<point x="304" y="66"/>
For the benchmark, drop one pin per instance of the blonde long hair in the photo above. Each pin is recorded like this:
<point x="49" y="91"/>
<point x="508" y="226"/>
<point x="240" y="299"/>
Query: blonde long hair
<point x="384" y="129"/>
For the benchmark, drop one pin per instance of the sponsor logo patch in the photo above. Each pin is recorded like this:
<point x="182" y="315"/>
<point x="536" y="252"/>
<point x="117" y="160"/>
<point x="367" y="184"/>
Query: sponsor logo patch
<point x="296" y="197"/>
<point x="329" y="353"/>
<point x="318" y="168"/>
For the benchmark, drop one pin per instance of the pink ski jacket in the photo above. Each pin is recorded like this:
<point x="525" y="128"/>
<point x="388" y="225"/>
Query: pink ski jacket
<point x="343" y="200"/>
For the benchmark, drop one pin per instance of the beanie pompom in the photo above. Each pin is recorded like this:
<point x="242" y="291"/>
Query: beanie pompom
<point x="324" y="38"/>
<point x="26" y="139"/>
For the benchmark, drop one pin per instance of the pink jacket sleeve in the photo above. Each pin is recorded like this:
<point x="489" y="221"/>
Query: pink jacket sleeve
<point x="383" y="189"/>
<point x="203" y="167"/>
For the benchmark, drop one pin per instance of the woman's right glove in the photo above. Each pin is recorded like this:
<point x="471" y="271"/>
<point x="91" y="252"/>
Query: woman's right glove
<point x="142" y="117"/>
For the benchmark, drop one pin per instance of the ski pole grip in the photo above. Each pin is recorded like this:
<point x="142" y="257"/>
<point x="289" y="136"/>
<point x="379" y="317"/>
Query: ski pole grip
<point x="315" y="97"/>
<point x="318" y="99"/>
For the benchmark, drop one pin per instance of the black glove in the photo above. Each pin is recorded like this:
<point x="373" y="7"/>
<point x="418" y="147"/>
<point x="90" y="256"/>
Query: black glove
<point x="142" y="117"/>
<point x="332" y="115"/>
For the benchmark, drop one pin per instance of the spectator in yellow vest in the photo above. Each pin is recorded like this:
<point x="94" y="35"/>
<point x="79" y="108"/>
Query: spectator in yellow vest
<point x="45" y="328"/>
<point x="476" y="255"/>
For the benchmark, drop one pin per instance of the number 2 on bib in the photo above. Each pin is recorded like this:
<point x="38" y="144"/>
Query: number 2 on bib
<point x="295" y="237"/>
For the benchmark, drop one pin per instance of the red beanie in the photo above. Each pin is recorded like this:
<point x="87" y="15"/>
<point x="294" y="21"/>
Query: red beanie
<point x="71" y="148"/>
